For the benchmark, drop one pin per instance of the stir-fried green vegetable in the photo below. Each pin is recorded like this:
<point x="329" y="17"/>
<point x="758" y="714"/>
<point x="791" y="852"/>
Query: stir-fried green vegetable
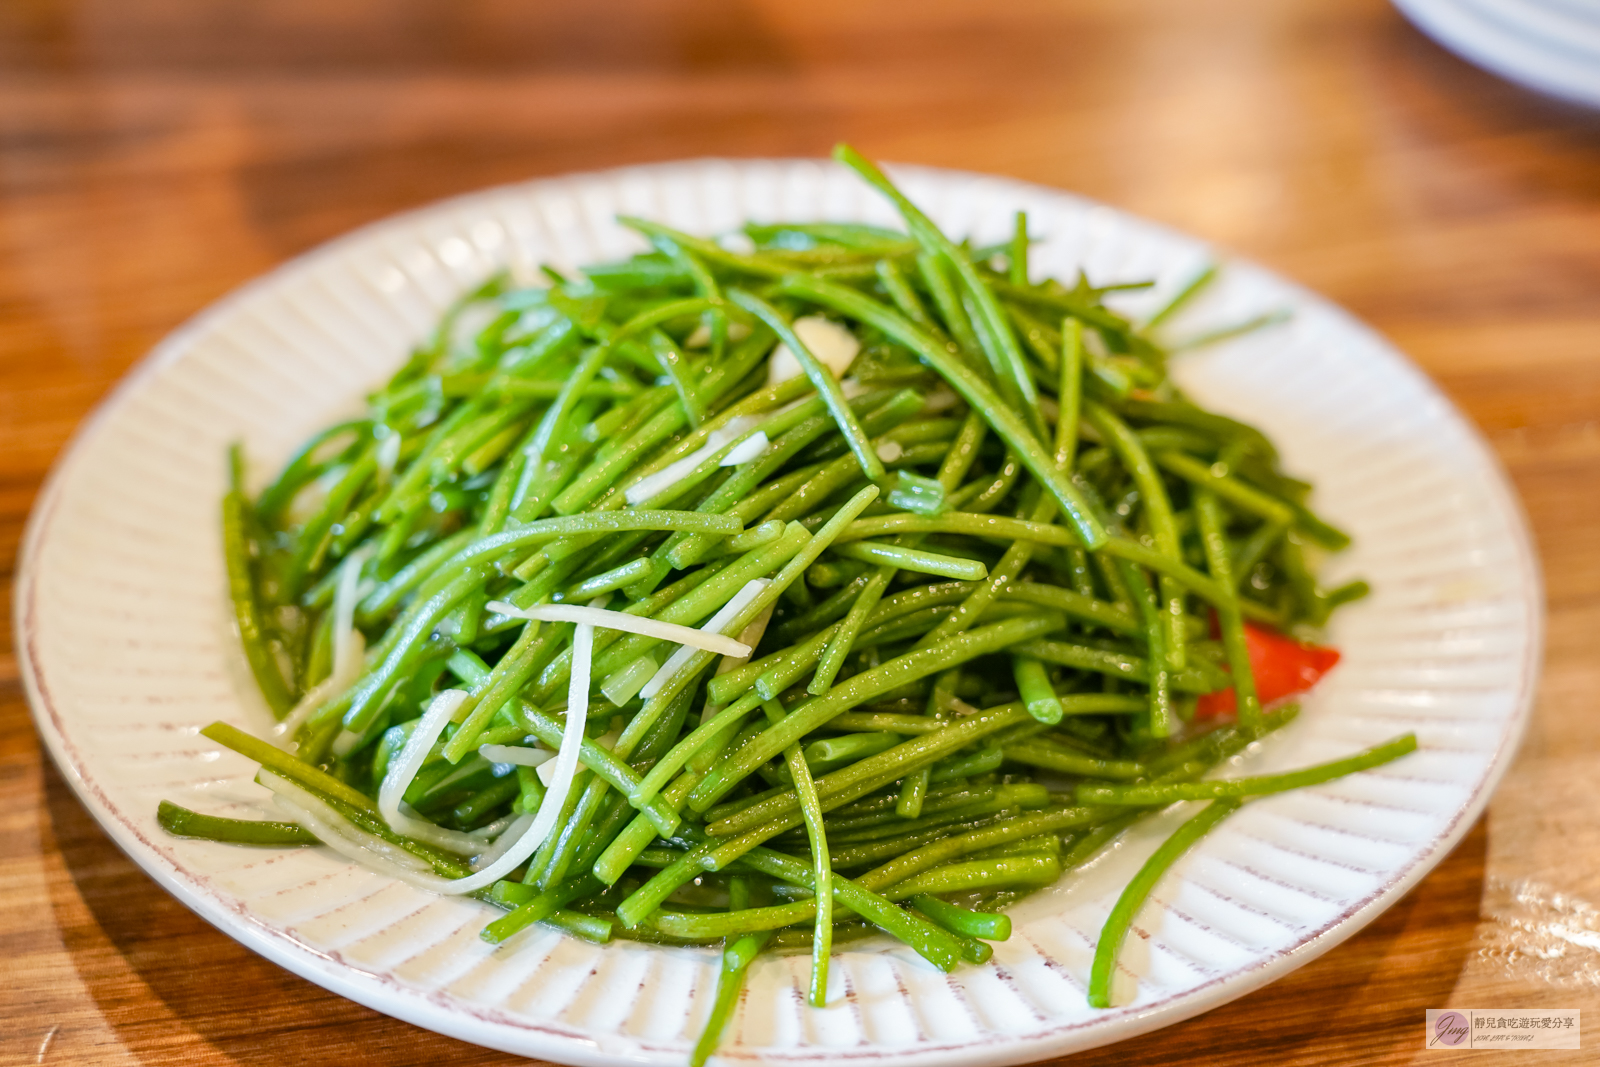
<point x="857" y="581"/>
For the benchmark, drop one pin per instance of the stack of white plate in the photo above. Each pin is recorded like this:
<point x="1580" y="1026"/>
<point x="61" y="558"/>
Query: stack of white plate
<point x="1549" y="45"/>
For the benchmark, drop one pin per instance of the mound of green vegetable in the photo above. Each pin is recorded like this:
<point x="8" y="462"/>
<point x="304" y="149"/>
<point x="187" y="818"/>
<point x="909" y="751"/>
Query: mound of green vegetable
<point x="857" y="582"/>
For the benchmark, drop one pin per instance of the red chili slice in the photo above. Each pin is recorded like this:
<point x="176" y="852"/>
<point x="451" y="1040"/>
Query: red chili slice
<point x="1282" y="667"/>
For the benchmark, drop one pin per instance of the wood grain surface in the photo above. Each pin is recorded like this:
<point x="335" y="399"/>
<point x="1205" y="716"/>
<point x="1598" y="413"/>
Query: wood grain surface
<point x="156" y="153"/>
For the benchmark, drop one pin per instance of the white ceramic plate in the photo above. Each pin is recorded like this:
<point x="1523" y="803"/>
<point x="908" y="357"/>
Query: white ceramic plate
<point x="1552" y="46"/>
<point x="128" y="651"/>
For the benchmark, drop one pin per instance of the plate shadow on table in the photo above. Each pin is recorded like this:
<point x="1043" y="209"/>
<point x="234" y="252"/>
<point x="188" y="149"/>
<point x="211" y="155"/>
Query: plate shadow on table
<point x="218" y="994"/>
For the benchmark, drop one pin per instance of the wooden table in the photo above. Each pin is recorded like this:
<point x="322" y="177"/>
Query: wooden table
<point x="155" y="155"/>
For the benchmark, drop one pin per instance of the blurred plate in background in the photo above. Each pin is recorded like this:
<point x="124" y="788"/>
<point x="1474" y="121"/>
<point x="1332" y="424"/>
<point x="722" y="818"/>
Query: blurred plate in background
<point x="1549" y="45"/>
